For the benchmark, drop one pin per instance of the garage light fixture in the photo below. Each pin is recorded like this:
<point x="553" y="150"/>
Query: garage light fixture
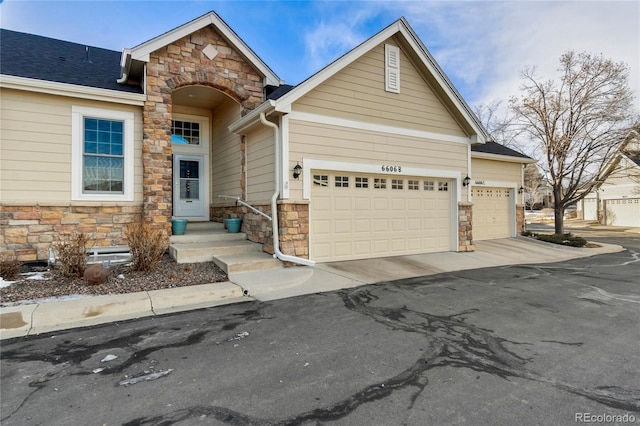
<point x="466" y="180"/>
<point x="297" y="170"/>
<point x="520" y="190"/>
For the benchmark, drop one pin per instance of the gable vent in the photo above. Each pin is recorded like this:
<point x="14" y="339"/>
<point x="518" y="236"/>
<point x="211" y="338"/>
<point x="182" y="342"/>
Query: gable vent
<point x="392" y="68"/>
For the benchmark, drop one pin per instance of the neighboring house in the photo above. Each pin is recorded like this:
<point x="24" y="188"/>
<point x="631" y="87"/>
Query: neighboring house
<point x="366" y="158"/>
<point x="616" y="200"/>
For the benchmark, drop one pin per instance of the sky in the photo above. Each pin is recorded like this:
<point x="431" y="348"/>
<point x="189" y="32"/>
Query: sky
<point x="482" y="46"/>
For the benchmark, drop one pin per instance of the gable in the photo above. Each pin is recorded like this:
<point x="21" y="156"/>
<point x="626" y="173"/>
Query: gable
<point x="358" y="92"/>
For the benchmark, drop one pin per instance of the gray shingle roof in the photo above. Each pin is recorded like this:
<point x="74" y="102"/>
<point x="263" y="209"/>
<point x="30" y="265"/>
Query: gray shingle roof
<point x="43" y="58"/>
<point x="495" y="148"/>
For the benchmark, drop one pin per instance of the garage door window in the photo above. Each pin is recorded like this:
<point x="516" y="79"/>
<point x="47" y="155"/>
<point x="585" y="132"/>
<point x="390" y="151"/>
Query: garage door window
<point x="379" y="183"/>
<point x="413" y="185"/>
<point x="321" y="180"/>
<point x="362" y="182"/>
<point x="342" y="181"/>
<point x="443" y="186"/>
<point x="397" y="183"/>
<point x="428" y="185"/>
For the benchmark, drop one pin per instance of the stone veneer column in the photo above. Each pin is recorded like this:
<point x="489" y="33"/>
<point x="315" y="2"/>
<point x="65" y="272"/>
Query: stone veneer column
<point x="520" y="224"/>
<point x="465" y="227"/>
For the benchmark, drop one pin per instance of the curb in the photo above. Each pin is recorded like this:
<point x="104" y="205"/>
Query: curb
<point x="37" y="318"/>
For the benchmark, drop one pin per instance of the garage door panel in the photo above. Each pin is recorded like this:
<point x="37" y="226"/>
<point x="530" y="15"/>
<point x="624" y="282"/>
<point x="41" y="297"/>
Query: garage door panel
<point x="492" y="211"/>
<point x="375" y="221"/>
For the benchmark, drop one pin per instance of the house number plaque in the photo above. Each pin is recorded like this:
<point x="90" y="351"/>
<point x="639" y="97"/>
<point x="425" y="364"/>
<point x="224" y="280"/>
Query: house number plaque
<point x="392" y="169"/>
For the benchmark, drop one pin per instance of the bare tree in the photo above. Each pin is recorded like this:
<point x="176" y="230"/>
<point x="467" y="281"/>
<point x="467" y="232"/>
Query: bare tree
<point x="500" y="122"/>
<point x="576" y="123"/>
<point x="534" y="184"/>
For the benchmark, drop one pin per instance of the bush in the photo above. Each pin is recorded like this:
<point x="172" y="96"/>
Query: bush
<point x="9" y="268"/>
<point x="147" y="244"/>
<point x="564" y="239"/>
<point x="72" y="254"/>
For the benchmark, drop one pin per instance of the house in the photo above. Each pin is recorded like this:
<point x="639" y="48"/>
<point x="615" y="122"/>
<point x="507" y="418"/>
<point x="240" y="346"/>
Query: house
<point x="375" y="155"/>
<point x="616" y="200"/>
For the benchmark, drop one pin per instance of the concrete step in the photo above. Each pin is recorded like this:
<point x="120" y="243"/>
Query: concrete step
<point x="204" y="251"/>
<point x="207" y="237"/>
<point x="235" y="263"/>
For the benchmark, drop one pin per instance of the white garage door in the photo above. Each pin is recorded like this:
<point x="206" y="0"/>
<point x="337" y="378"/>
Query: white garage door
<point x="492" y="209"/>
<point x="623" y="212"/>
<point x="590" y="209"/>
<point x="358" y="216"/>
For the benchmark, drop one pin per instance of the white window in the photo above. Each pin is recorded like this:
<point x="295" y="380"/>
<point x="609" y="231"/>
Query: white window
<point x="397" y="183"/>
<point x="185" y="132"/>
<point x="413" y="185"/>
<point x="428" y="185"/>
<point x="443" y="186"/>
<point x="392" y="68"/>
<point x="321" y="180"/>
<point x="102" y="150"/>
<point x="342" y="181"/>
<point x="380" y="183"/>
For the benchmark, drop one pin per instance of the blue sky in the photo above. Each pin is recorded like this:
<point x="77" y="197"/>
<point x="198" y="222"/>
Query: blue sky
<point x="481" y="45"/>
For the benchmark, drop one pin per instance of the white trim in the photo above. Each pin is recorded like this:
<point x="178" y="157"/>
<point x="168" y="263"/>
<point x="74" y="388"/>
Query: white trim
<point x="499" y="157"/>
<point x="311" y="163"/>
<point x="77" y="141"/>
<point x="391" y="68"/>
<point x="71" y="90"/>
<point x="142" y="51"/>
<point x="284" y="164"/>
<point x="373" y="127"/>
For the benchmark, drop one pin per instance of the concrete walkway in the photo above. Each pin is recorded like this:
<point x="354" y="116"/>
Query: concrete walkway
<point x="17" y="321"/>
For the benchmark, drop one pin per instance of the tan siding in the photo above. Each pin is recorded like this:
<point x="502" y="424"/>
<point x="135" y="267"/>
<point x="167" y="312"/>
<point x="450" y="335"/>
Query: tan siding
<point x="501" y="171"/>
<point x="226" y="158"/>
<point x="35" y="152"/>
<point x="260" y="165"/>
<point x="357" y="93"/>
<point x="325" y="142"/>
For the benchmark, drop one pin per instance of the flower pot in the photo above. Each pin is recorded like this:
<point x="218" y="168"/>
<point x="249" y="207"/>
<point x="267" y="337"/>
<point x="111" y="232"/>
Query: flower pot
<point x="233" y="225"/>
<point x="178" y="226"/>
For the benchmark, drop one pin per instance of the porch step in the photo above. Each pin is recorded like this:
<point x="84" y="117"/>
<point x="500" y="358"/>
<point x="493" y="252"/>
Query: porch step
<point x="205" y="237"/>
<point x="205" y="251"/>
<point x="246" y="262"/>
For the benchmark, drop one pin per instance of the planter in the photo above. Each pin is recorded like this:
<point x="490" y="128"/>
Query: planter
<point x="178" y="226"/>
<point x="233" y="225"/>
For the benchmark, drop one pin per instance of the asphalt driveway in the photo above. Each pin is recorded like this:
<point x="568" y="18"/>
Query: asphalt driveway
<point x="534" y="344"/>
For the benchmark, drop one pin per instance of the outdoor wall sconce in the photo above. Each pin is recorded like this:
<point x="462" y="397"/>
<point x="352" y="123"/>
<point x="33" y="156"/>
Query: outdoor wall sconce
<point x="520" y="190"/>
<point x="297" y="170"/>
<point x="466" y="180"/>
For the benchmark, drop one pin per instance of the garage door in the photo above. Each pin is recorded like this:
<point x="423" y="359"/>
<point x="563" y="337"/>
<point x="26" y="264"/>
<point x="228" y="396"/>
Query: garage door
<point x="358" y="216"/>
<point x="491" y="213"/>
<point x="623" y="212"/>
<point x="590" y="209"/>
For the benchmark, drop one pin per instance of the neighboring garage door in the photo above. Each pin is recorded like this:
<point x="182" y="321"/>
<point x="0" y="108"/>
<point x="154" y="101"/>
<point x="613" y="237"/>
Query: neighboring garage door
<point x="492" y="209"/>
<point x="590" y="209"/>
<point x="360" y="216"/>
<point x="623" y="212"/>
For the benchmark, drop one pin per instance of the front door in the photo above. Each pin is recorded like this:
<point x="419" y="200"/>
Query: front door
<point x="188" y="186"/>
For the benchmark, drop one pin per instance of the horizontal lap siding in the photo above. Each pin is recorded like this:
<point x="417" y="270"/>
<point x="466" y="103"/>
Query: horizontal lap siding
<point x="357" y="93"/>
<point x="501" y="171"/>
<point x="326" y="142"/>
<point x="260" y="165"/>
<point x="226" y="156"/>
<point x="35" y="157"/>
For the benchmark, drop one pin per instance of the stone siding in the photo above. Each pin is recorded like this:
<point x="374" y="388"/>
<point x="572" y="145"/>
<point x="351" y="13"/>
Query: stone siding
<point x="465" y="227"/>
<point x="183" y="63"/>
<point x="520" y="223"/>
<point x="28" y="231"/>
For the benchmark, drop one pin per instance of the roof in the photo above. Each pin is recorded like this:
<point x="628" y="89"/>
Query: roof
<point x="633" y="156"/>
<point x="498" y="149"/>
<point x="42" y="58"/>
<point x="411" y="43"/>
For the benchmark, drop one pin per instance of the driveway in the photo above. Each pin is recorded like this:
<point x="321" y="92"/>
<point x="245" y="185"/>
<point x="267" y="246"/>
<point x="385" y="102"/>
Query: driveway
<point x="520" y="344"/>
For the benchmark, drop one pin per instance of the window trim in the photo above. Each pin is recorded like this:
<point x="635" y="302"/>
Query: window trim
<point x="78" y="113"/>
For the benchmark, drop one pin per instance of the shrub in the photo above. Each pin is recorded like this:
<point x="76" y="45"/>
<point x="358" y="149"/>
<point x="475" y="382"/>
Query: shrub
<point x="147" y="244"/>
<point x="563" y="239"/>
<point x="9" y="268"/>
<point x="72" y="254"/>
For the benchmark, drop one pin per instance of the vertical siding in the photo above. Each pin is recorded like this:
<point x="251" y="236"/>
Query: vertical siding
<point x="357" y="93"/>
<point x="35" y="151"/>
<point x="325" y="142"/>
<point x="260" y="164"/>
<point x="502" y="171"/>
<point x="226" y="157"/>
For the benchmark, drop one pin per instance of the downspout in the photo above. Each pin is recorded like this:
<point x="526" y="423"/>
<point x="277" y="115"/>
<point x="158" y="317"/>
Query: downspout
<point x="274" y="204"/>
